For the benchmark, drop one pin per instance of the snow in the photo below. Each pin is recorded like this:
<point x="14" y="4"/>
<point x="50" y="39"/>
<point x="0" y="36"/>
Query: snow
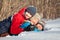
<point x="35" y="36"/>
<point x="52" y="33"/>
<point x="53" y="24"/>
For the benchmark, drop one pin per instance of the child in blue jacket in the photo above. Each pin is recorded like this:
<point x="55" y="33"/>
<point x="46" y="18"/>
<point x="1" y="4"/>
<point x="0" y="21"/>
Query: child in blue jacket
<point x="29" y="27"/>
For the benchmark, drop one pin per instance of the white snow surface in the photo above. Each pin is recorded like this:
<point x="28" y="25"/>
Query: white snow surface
<point x="53" y="25"/>
<point x="52" y="33"/>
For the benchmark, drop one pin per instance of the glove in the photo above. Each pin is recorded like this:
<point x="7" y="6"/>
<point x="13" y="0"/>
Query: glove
<point x="29" y="28"/>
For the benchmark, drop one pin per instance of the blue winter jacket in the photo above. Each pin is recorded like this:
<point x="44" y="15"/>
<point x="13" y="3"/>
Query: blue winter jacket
<point x="26" y="24"/>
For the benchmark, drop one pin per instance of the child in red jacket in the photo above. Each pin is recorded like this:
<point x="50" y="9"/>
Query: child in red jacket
<point x="19" y="18"/>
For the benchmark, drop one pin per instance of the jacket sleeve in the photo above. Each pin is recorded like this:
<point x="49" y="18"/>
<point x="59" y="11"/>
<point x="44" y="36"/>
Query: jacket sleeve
<point x="15" y="29"/>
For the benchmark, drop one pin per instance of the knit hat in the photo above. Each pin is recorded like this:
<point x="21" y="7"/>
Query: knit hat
<point x="31" y="10"/>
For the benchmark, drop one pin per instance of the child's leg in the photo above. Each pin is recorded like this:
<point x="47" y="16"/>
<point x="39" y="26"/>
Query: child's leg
<point x="4" y="34"/>
<point x="4" y="26"/>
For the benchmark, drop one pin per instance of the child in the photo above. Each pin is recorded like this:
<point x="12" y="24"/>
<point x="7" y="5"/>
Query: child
<point x="32" y="25"/>
<point x="17" y="20"/>
<point x="36" y="28"/>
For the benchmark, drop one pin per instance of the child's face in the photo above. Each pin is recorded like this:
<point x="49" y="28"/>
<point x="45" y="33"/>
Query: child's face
<point x="34" y="21"/>
<point x="39" y="26"/>
<point x="28" y="15"/>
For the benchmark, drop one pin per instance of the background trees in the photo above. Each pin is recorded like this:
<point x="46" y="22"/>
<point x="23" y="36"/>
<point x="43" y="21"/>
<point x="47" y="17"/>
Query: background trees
<point x="50" y="9"/>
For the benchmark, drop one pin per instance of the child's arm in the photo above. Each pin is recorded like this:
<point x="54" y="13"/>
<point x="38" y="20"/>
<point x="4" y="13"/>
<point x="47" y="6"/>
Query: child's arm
<point x="25" y="24"/>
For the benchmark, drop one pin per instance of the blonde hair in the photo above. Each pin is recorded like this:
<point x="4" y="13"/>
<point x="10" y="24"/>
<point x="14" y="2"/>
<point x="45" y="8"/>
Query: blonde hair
<point x="36" y="16"/>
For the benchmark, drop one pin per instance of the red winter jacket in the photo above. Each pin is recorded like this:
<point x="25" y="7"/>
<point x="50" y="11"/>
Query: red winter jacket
<point x="17" y="20"/>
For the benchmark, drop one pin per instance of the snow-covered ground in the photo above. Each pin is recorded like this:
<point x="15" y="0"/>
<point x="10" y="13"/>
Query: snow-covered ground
<point x="53" y="25"/>
<point x="52" y="33"/>
<point x="35" y="36"/>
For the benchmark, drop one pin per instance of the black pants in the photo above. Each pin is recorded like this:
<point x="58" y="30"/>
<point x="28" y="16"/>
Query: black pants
<point x="5" y="25"/>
